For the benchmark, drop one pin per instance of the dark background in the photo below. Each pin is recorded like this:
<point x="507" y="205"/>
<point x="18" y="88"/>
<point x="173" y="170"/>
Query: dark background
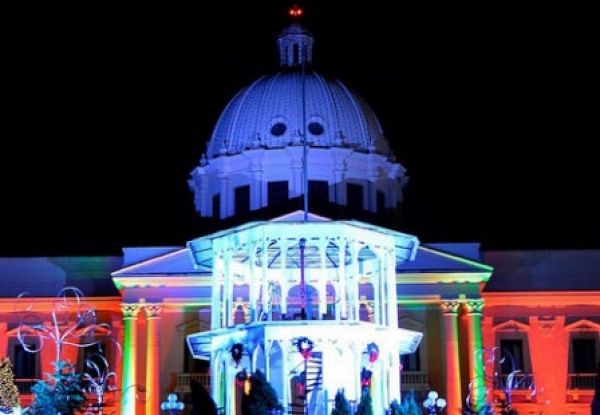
<point x="492" y="108"/>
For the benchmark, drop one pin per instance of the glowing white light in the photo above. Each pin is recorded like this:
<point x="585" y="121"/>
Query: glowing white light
<point x="172" y="403"/>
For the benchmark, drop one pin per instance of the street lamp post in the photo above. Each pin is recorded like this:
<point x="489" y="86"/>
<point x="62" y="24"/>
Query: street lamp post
<point x="172" y="405"/>
<point x="434" y="404"/>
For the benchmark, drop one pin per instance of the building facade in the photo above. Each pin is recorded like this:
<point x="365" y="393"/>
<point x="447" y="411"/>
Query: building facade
<point x="299" y="155"/>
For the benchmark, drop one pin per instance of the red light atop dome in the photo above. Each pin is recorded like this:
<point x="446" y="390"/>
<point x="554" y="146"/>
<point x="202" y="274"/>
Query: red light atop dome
<point x="296" y="11"/>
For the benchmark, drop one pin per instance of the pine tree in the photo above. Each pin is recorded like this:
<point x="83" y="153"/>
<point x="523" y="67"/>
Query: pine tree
<point x="395" y="408"/>
<point x="9" y="393"/>
<point x="202" y="403"/>
<point x="409" y="404"/>
<point x="365" y="406"/>
<point x="341" y="405"/>
<point x="262" y="397"/>
<point x="62" y="393"/>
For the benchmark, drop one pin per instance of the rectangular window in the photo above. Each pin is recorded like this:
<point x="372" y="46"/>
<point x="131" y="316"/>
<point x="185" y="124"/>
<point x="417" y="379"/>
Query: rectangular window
<point x="24" y="365"/>
<point x="354" y="196"/>
<point x="277" y="192"/>
<point x="318" y="193"/>
<point x="318" y="189"/>
<point x="216" y="206"/>
<point x="242" y="199"/>
<point x="583" y="352"/>
<point x="380" y="202"/>
<point x="511" y="355"/>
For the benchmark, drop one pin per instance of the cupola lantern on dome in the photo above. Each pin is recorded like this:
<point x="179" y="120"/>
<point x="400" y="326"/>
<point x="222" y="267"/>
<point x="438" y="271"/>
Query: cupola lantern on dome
<point x="295" y="42"/>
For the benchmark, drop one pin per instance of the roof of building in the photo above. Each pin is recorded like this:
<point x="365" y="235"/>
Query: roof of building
<point x="543" y="270"/>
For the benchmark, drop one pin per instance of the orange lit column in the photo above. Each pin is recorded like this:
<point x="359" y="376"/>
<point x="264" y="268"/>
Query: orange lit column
<point x="453" y="382"/>
<point x="152" y="357"/>
<point x="3" y="340"/>
<point x="476" y="369"/>
<point x="129" y="379"/>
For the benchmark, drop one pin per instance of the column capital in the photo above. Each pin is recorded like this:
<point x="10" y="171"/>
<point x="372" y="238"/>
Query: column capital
<point x="450" y="307"/>
<point x="474" y="306"/>
<point x="153" y="310"/>
<point x="130" y="310"/>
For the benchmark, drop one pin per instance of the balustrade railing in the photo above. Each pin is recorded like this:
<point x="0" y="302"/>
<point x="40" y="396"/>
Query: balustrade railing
<point x="24" y="385"/>
<point x="518" y="381"/>
<point x="584" y="381"/>
<point x="180" y="382"/>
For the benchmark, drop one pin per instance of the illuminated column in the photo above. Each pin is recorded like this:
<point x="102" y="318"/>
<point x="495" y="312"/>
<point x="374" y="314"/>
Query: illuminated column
<point x="3" y="340"/>
<point x="116" y="357"/>
<point x="453" y="382"/>
<point x="152" y="357"/>
<point x="224" y="208"/>
<point x="129" y="382"/>
<point x="476" y="369"/>
<point x="389" y="270"/>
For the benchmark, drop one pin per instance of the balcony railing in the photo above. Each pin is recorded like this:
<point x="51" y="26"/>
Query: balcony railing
<point x="583" y="381"/>
<point x="24" y="385"/>
<point x="416" y="381"/>
<point x="180" y="382"/>
<point x="519" y="381"/>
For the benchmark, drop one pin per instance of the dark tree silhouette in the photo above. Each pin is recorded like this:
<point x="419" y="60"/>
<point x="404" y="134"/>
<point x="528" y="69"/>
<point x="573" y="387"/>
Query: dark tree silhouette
<point x="341" y="405"/>
<point x="261" y="398"/>
<point x="365" y="406"/>
<point x="202" y="403"/>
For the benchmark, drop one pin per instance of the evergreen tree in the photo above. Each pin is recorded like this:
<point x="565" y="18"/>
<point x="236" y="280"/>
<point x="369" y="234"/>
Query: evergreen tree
<point x="341" y="405"/>
<point x="409" y="404"/>
<point x="395" y="408"/>
<point x="202" y="403"/>
<point x="9" y="393"/>
<point x="365" y="406"/>
<point x="261" y="398"/>
<point x="62" y="393"/>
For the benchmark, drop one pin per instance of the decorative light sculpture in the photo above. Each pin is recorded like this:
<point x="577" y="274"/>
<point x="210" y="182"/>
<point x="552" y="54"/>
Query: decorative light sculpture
<point x="434" y="403"/>
<point x="172" y="404"/>
<point x="73" y="322"/>
<point x="100" y="380"/>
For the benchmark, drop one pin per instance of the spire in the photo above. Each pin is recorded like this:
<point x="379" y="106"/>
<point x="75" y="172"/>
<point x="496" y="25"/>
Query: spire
<point x="295" y="42"/>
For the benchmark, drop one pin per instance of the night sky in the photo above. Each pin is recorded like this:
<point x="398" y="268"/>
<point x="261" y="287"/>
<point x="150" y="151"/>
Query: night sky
<point x="490" y="107"/>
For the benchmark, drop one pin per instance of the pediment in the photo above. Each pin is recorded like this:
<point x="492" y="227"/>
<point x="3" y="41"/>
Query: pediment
<point x="583" y="325"/>
<point x="173" y="262"/>
<point x="512" y="326"/>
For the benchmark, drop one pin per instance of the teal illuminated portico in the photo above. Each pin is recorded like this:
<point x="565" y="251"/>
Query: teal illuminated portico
<point x="305" y="277"/>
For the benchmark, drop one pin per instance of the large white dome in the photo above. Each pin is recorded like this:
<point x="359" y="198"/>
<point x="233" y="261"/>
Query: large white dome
<point x="293" y="133"/>
<point x="276" y="111"/>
